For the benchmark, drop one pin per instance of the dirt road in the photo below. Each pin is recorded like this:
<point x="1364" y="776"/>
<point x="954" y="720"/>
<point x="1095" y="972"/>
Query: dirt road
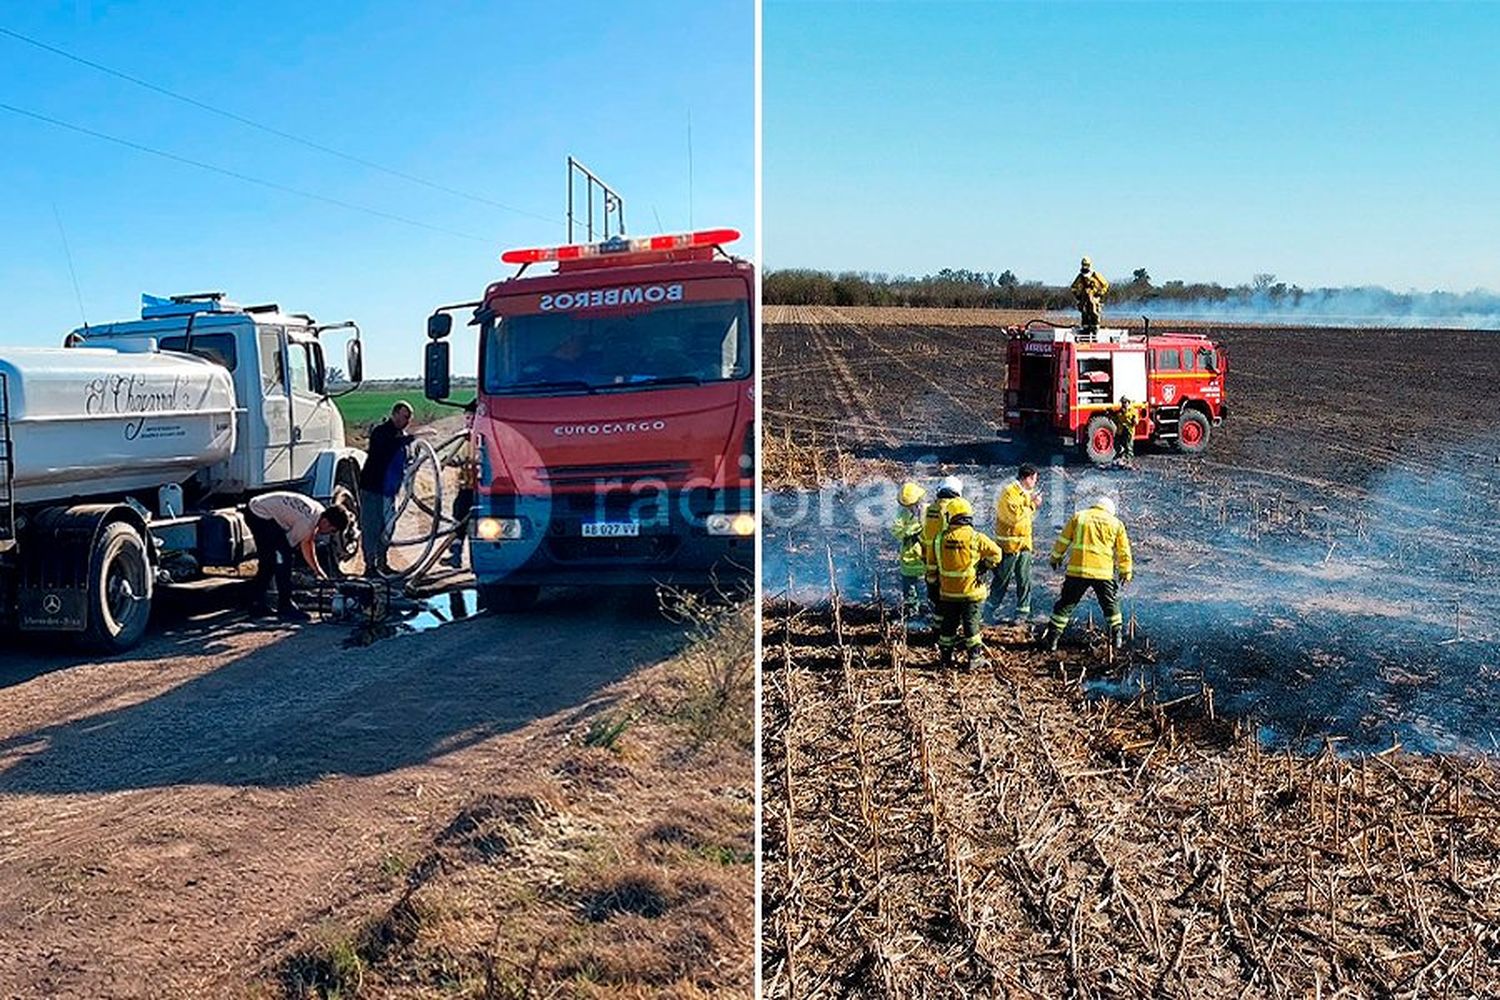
<point x="167" y="816"/>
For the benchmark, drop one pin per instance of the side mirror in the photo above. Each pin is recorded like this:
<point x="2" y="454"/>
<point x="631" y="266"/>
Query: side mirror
<point x="354" y="362"/>
<point x="439" y="325"/>
<point x="436" y="374"/>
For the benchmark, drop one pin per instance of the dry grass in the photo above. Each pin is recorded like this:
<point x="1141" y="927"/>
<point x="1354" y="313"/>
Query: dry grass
<point x="902" y="315"/>
<point x="938" y="833"/>
<point x="605" y="868"/>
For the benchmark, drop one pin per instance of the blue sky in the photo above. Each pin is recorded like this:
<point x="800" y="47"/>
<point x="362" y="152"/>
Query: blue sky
<point x="486" y="98"/>
<point x="1328" y="144"/>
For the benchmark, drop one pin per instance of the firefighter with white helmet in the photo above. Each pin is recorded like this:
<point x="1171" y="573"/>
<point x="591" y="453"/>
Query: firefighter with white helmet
<point x="934" y="520"/>
<point x="1097" y="546"/>
<point x="965" y="558"/>
<point x="1089" y="289"/>
<point x="907" y="530"/>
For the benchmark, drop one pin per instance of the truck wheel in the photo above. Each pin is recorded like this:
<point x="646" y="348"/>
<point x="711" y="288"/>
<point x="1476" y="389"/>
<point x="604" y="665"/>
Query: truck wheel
<point x="1099" y="440"/>
<point x="120" y="588"/>
<point x="1192" y="433"/>
<point x="509" y="600"/>
<point x="337" y="554"/>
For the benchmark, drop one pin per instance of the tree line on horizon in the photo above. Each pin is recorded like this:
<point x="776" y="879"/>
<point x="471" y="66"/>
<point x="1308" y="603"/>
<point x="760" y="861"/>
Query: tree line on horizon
<point x="965" y="289"/>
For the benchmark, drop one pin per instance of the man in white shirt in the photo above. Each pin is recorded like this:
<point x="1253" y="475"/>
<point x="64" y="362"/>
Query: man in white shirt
<point x="284" y="523"/>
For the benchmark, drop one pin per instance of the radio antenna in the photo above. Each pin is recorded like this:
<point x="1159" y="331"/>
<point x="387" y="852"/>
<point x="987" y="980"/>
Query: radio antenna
<point x="68" y="252"/>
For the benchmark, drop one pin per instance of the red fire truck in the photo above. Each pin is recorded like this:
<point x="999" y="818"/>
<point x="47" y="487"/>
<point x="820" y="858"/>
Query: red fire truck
<point x="1061" y="380"/>
<point x="613" y="423"/>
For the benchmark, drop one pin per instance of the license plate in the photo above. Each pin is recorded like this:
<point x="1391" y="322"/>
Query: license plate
<point x="612" y="529"/>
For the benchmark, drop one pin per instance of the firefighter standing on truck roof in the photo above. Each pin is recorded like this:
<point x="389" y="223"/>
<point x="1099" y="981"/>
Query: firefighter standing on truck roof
<point x="1126" y="416"/>
<point x="1099" y="546"/>
<point x="965" y="558"/>
<point x="1089" y="289"/>
<point x="1014" y="511"/>
<point x="907" y="530"/>
<point x="934" y="520"/>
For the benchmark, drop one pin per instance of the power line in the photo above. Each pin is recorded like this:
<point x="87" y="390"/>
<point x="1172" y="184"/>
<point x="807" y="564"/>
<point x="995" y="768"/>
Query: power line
<point x="270" y="130"/>
<point x="226" y="172"/>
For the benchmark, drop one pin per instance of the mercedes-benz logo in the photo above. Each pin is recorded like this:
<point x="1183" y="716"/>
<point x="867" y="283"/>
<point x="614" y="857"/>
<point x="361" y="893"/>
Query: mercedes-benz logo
<point x="52" y="604"/>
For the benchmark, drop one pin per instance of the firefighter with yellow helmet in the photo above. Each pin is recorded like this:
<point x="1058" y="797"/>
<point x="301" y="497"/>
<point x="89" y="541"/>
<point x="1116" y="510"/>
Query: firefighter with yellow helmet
<point x="934" y="520"/>
<point x="1126" y="416"/>
<point x="907" y="530"/>
<point x="1089" y="289"/>
<point x="1096" y="546"/>
<point x="965" y="558"/>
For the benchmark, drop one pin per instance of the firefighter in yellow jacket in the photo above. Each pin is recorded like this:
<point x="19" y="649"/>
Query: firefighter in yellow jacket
<point x="965" y="559"/>
<point x="1096" y="546"/>
<point x="934" y="520"/>
<point x="1126" y="416"/>
<point x="907" y="530"/>
<point x="1089" y="289"/>
<point x="1014" y="511"/>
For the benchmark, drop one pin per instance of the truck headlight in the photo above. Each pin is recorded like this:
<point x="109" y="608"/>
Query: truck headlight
<point x="741" y="525"/>
<point x="494" y="529"/>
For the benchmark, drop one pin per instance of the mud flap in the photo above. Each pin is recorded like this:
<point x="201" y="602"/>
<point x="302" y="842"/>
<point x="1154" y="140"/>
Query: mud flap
<point x="55" y="553"/>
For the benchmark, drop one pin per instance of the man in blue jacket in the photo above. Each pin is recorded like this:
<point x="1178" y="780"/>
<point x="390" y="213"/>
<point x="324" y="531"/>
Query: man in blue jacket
<point x="380" y="481"/>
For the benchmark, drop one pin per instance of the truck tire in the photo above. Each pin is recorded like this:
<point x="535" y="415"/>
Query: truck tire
<point x="508" y="599"/>
<point x="1193" y="433"/>
<point x="1099" y="440"/>
<point x="120" y="587"/>
<point x="337" y="555"/>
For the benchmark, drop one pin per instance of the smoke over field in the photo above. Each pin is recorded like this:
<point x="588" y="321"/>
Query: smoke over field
<point x="1169" y="820"/>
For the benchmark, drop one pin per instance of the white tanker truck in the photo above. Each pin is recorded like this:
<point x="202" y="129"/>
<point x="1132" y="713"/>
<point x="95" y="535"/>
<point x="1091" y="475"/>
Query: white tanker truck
<point x="127" y="456"/>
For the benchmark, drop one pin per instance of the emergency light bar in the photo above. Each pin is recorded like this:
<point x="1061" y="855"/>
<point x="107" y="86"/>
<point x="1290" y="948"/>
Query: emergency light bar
<point x="621" y="245"/>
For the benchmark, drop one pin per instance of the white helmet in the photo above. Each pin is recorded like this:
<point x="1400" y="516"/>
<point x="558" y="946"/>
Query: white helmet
<point x="1107" y="504"/>
<point x="953" y="485"/>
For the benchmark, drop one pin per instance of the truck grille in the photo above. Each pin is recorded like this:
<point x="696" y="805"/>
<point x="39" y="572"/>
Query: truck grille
<point x="7" y="467"/>
<point x="585" y="475"/>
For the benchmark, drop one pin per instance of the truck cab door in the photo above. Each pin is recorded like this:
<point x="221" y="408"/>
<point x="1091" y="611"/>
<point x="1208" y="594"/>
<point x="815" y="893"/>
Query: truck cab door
<point x="312" y="412"/>
<point x="275" y="464"/>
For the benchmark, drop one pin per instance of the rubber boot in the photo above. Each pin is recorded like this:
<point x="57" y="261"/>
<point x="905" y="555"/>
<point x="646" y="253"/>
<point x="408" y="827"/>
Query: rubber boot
<point x="977" y="659"/>
<point x="1117" y="636"/>
<point x="945" y="657"/>
<point x="1049" y="638"/>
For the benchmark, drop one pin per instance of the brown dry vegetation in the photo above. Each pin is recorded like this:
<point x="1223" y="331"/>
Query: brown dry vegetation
<point x="614" y="860"/>
<point x="941" y="834"/>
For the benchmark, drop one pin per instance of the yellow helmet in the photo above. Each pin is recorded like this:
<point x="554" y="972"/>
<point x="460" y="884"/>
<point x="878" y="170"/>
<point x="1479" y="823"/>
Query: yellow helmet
<point x="911" y="493"/>
<point x="1086" y="262"/>
<point x="959" y="507"/>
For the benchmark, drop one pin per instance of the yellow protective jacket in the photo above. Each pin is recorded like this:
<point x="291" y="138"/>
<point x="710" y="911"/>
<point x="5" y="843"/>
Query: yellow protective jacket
<point x="1014" y="512"/>
<point x="934" y="520"/>
<point x="908" y="533"/>
<point x="1127" y="417"/>
<point x="961" y="551"/>
<point x="1099" y="545"/>
<point x="1091" y="285"/>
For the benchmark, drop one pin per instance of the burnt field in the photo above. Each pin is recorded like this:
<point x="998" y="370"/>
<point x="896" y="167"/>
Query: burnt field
<point x="1285" y="785"/>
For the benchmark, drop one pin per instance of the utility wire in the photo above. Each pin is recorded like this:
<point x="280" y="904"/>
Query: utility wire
<point x="270" y="130"/>
<point x="226" y="172"/>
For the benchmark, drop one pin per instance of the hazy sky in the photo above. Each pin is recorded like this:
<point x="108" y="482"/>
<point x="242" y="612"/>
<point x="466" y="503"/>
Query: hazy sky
<point x="487" y="98"/>
<point x="1329" y="144"/>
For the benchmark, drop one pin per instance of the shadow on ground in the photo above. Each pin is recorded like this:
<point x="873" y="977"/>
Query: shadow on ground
<point x="304" y="707"/>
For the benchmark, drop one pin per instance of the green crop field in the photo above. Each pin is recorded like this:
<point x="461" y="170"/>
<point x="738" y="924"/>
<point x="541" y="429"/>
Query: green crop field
<point x="371" y="405"/>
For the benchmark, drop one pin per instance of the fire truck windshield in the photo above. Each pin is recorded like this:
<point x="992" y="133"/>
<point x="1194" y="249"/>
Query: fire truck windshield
<point x="561" y="352"/>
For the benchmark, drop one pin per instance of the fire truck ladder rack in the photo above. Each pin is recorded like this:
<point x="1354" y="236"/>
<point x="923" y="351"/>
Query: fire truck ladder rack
<point x="7" y="468"/>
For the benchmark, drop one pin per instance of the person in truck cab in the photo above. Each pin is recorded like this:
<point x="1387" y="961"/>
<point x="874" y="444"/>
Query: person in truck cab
<point x="379" y="482"/>
<point x="1126" y="416"/>
<point x="285" y="523"/>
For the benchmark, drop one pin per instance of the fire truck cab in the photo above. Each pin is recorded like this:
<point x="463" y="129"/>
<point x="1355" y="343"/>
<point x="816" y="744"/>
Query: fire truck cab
<point x="613" y="425"/>
<point x="1062" y="381"/>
